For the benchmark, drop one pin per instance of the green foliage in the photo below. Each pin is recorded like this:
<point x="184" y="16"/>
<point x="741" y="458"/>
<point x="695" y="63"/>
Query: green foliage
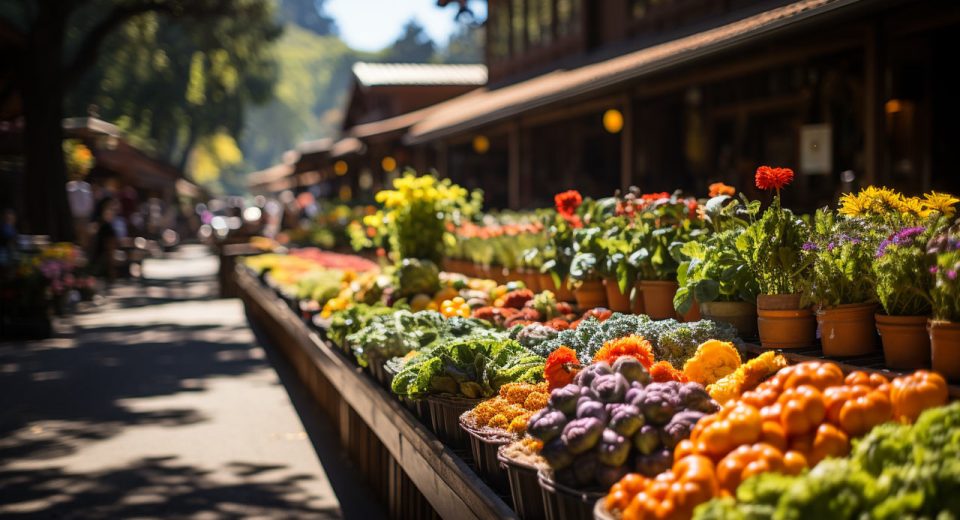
<point x="716" y="269"/>
<point x="472" y="367"/>
<point x="946" y="289"/>
<point x="169" y="83"/>
<point x="843" y="250"/>
<point x="772" y="247"/>
<point x="903" y="279"/>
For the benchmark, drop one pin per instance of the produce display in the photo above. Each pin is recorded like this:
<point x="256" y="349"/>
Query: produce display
<point x="550" y="328"/>
<point x="614" y="419"/>
<point x="507" y="414"/>
<point x="803" y="415"/>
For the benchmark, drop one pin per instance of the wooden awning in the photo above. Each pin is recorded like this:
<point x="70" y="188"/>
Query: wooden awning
<point x="485" y="106"/>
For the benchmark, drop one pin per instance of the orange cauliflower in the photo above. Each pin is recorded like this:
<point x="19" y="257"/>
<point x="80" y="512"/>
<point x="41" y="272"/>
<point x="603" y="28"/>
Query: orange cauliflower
<point x="635" y="346"/>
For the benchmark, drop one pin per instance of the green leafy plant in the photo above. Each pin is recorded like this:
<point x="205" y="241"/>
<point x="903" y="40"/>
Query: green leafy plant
<point x="772" y="248"/>
<point x="901" y="268"/>
<point x="715" y="269"/>
<point x="842" y="252"/>
<point x="471" y="367"/>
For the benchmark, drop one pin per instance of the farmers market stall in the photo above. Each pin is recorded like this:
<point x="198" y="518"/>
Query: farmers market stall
<point x="457" y="395"/>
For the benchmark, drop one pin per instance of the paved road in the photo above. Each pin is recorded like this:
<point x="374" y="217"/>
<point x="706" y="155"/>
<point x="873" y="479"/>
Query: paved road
<point x="161" y="403"/>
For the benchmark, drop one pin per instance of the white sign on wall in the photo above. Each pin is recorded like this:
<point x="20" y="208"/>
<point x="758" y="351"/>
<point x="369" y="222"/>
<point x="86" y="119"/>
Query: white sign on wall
<point x="816" y="149"/>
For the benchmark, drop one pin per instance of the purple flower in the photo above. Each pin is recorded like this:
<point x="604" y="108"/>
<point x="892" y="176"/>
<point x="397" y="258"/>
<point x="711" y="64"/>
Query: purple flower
<point x="830" y="246"/>
<point x="809" y="246"/>
<point x="951" y="274"/>
<point x="903" y="237"/>
<point x="933" y="269"/>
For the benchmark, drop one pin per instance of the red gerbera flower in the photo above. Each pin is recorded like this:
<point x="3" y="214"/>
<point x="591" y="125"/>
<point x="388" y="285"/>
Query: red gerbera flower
<point x="562" y="364"/>
<point x="768" y="178"/>
<point x="568" y="202"/>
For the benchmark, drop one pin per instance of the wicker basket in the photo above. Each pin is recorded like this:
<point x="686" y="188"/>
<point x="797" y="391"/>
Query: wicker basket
<point x="564" y="503"/>
<point x="484" y="446"/>
<point x="600" y="512"/>
<point x="445" y="412"/>
<point x="524" y="488"/>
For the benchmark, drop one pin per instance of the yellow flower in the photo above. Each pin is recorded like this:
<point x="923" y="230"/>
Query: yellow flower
<point x="941" y="202"/>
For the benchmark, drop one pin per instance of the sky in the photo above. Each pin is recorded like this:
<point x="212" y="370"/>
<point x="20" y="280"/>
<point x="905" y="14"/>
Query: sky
<point x="371" y="25"/>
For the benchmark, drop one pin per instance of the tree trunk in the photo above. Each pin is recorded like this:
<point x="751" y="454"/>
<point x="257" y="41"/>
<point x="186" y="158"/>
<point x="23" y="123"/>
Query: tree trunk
<point x="44" y="199"/>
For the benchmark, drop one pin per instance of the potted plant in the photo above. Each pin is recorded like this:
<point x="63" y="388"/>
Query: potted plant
<point x="772" y="249"/>
<point x="715" y="273"/>
<point x="587" y="268"/>
<point x="561" y="244"/>
<point x="903" y="289"/>
<point x="663" y="223"/>
<point x="619" y="276"/>
<point x="945" y="297"/>
<point x="841" y="284"/>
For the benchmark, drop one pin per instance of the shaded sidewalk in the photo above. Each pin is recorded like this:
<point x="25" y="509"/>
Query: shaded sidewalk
<point x="162" y="404"/>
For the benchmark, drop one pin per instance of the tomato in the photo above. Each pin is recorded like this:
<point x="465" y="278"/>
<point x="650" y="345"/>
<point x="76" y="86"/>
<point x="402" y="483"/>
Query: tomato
<point x="803" y="409"/>
<point x="821" y="375"/>
<point x="745" y="462"/>
<point x="685" y="448"/>
<point x="871" y="379"/>
<point x="772" y="433"/>
<point x="860" y="414"/>
<point x="829" y="441"/>
<point x="914" y="393"/>
<point x="794" y="462"/>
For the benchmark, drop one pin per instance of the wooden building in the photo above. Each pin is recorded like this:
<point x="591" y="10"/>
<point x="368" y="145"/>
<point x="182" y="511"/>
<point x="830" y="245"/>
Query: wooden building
<point x="386" y="99"/>
<point x="599" y="95"/>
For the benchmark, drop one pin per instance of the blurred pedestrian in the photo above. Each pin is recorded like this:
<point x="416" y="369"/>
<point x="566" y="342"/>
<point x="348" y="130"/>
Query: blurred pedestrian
<point x="103" y="252"/>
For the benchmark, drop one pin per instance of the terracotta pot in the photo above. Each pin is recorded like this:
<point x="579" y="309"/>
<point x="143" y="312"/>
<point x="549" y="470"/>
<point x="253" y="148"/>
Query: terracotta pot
<point x="778" y="302"/>
<point x="905" y="341"/>
<point x="532" y="280"/>
<point x="786" y="329"/>
<point x="636" y="304"/>
<point x="658" y="298"/>
<point x="693" y="314"/>
<point x="848" y="330"/>
<point x="616" y="300"/>
<point x="562" y="293"/>
<point x="742" y="315"/>
<point x="945" y="348"/>
<point x="590" y="294"/>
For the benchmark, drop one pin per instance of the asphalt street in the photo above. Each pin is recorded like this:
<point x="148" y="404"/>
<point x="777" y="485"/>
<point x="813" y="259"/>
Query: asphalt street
<point x="162" y="403"/>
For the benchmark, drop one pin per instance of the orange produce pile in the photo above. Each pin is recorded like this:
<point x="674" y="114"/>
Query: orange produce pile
<point x="802" y="415"/>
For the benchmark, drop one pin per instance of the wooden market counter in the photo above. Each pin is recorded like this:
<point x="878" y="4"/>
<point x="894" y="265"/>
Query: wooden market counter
<point x="415" y="475"/>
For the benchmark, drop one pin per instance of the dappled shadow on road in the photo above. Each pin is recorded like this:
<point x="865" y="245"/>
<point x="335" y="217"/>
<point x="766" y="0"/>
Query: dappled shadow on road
<point x="153" y="291"/>
<point x="53" y="399"/>
<point x="157" y="487"/>
<point x="357" y="499"/>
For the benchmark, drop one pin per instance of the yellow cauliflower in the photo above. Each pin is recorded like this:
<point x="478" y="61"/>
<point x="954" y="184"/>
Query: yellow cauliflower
<point x="713" y="360"/>
<point x="518" y="425"/>
<point x="536" y="401"/>
<point x="499" y="421"/>
<point x="747" y="377"/>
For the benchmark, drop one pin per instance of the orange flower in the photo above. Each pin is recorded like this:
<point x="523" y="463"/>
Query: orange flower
<point x="663" y="371"/>
<point x="653" y="197"/>
<point x="635" y="346"/>
<point x="562" y="364"/>
<point x="719" y="188"/>
<point x="568" y="202"/>
<point x="768" y="178"/>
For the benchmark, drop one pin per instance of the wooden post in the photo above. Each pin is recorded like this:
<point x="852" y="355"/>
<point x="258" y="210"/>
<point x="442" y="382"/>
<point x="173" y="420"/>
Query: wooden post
<point x="626" y="145"/>
<point x="514" y="165"/>
<point x="442" y="165"/>
<point x="873" y="119"/>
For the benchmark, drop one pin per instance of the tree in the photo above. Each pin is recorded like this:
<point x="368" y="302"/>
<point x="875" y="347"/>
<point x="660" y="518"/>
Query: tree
<point x="173" y="84"/>
<point x="465" y="45"/>
<point x="308" y="14"/>
<point x="413" y="46"/>
<point x="43" y="68"/>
